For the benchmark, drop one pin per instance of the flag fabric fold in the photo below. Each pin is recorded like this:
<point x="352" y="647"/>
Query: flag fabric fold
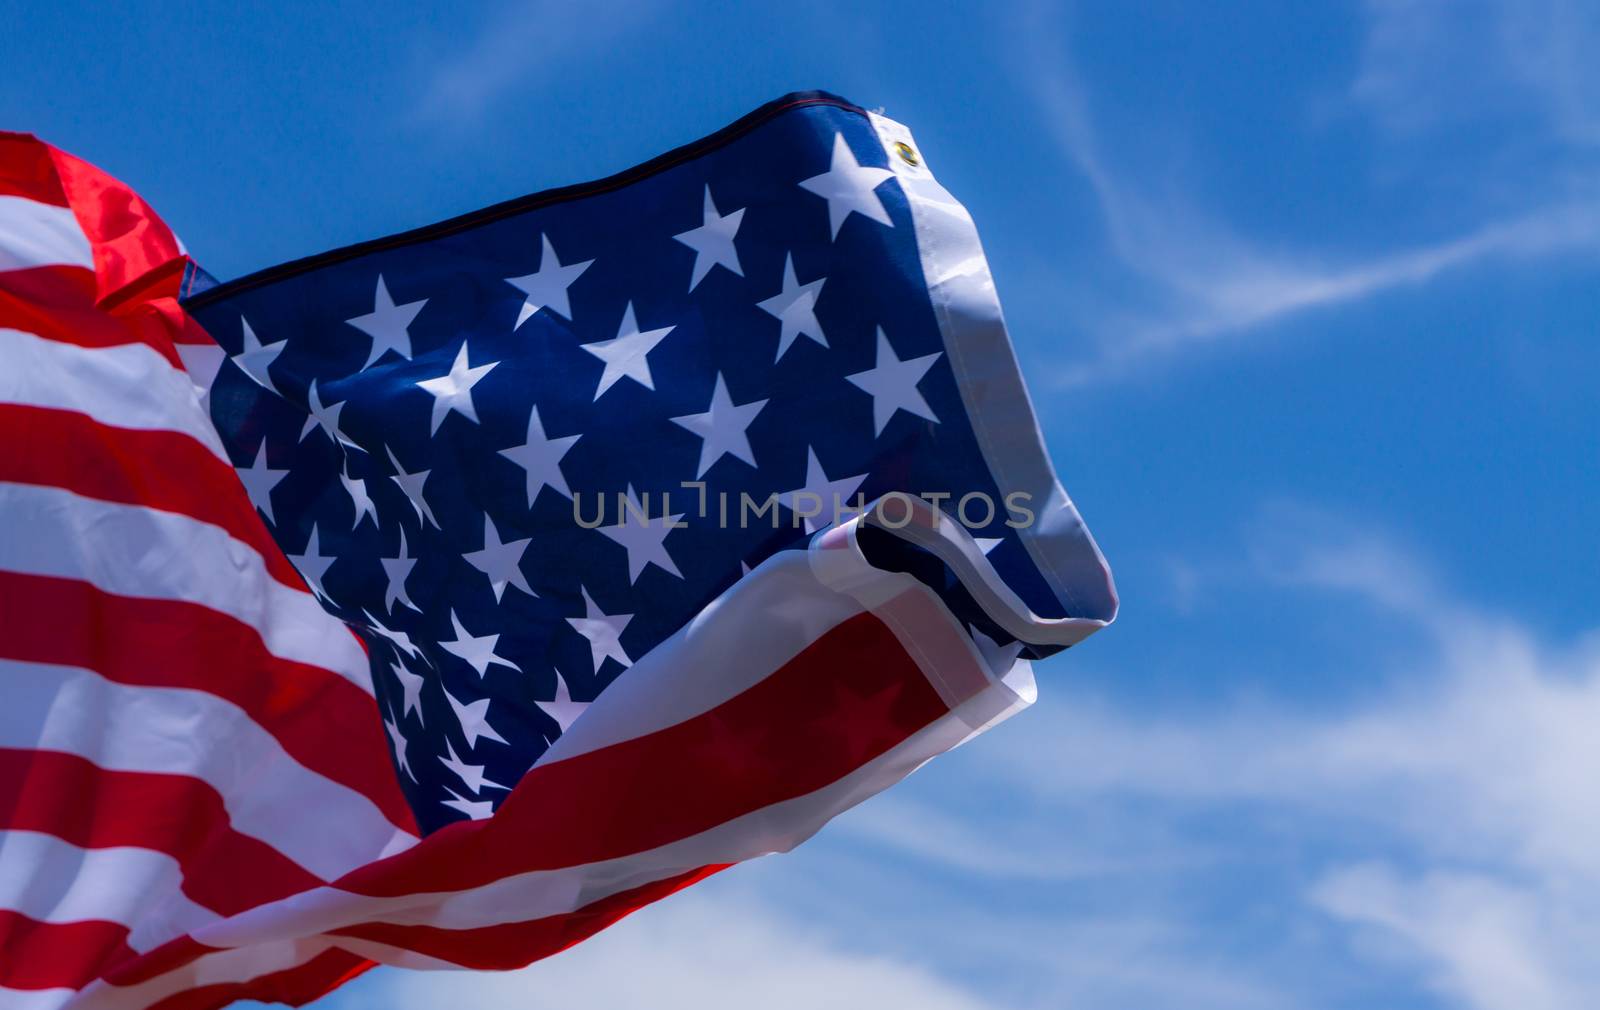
<point x="174" y="699"/>
<point x="438" y="601"/>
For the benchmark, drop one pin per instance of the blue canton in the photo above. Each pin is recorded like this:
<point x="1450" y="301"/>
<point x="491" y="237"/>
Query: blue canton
<point x="437" y="427"/>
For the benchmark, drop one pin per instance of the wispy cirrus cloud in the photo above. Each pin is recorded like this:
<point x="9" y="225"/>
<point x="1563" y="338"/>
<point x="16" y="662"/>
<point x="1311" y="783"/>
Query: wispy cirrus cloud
<point x="1430" y="65"/>
<point x="1478" y="938"/>
<point x="1202" y="281"/>
<point x="518" y="42"/>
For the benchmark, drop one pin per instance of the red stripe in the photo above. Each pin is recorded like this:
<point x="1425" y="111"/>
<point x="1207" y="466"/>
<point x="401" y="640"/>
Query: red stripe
<point x="81" y="324"/>
<point x="164" y="470"/>
<point x="134" y="250"/>
<point x="170" y="956"/>
<point x="56" y="286"/>
<point x="516" y="944"/>
<point x="322" y="720"/>
<point x="82" y="804"/>
<point x="44" y="955"/>
<point x="509" y="946"/>
<point x="180" y="326"/>
<point x="27" y="170"/>
<point x="847" y="698"/>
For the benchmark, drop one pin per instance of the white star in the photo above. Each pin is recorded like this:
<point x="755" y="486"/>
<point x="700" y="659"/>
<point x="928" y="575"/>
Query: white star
<point x="356" y="488"/>
<point x="387" y="324"/>
<point x="476" y="651"/>
<point x="892" y="384"/>
<point x="453" y="390"/>
<point x="722" y="427"/>
<point x="627" y="354"/>
<point x="501" y="562"/>
<point x="411" y="688"/>
<point x="987" y="544"/>
<point x="313" y="564"/>
<point x="471" y="776"/>
<point x="256" y="359"/>
<point x="644" y="536"/>
<point x="259" y="480"/>
<point x="398" y="570"/>
<point x="397" y="740"/>
<point x="411" y="485"/>
<point x="541" y="457"/>
<point x="477" y="810"/>
<point x="325" y="416"/>
<point x="604" y="632"/>
<point x="547" y="286"/>
<point x="796" y="309"/>
<point x="849" y="188"/>
<point x="712" y="242"/>
<point x="474" y="719"/>
<point x="832" y="496"/>
<point x="563" y="709"/>
<point x="399" y="639"/>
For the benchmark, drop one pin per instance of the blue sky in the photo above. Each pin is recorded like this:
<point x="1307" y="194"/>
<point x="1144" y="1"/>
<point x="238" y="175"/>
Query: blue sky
<point x="1306" y="298"/>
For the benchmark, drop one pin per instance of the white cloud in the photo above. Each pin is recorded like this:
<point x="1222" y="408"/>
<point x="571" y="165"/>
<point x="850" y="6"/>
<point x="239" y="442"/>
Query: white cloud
<point x="1456" y="809"/>
<point x="1483" y="941"/>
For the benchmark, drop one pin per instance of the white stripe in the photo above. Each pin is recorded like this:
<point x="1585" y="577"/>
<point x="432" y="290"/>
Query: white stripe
<point x="933" y="531"/>
<point x="210" y="969"/>
<point x="524" y="897"/>
<point x="691" y="671"/>
<point x="34" y="999"/>
<point x="981" y="357"/>
<point x="133" y="551"/>
<point x="324" y="826"/>
<point x="128" y="385"/>
<point x="34" y="234"/>
<point x="794" y="598"/>
<point x="777" y="827"/>
<point x="53" y="881"/>
<point x="220" y="967"/>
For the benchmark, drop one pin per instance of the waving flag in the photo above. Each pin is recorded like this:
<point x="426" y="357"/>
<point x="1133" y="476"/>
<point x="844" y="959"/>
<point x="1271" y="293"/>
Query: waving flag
<point x="643" y="525"/>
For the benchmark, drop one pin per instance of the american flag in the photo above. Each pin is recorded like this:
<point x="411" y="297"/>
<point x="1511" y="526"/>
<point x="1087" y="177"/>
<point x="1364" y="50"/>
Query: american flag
<point x="439" y="600"/>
